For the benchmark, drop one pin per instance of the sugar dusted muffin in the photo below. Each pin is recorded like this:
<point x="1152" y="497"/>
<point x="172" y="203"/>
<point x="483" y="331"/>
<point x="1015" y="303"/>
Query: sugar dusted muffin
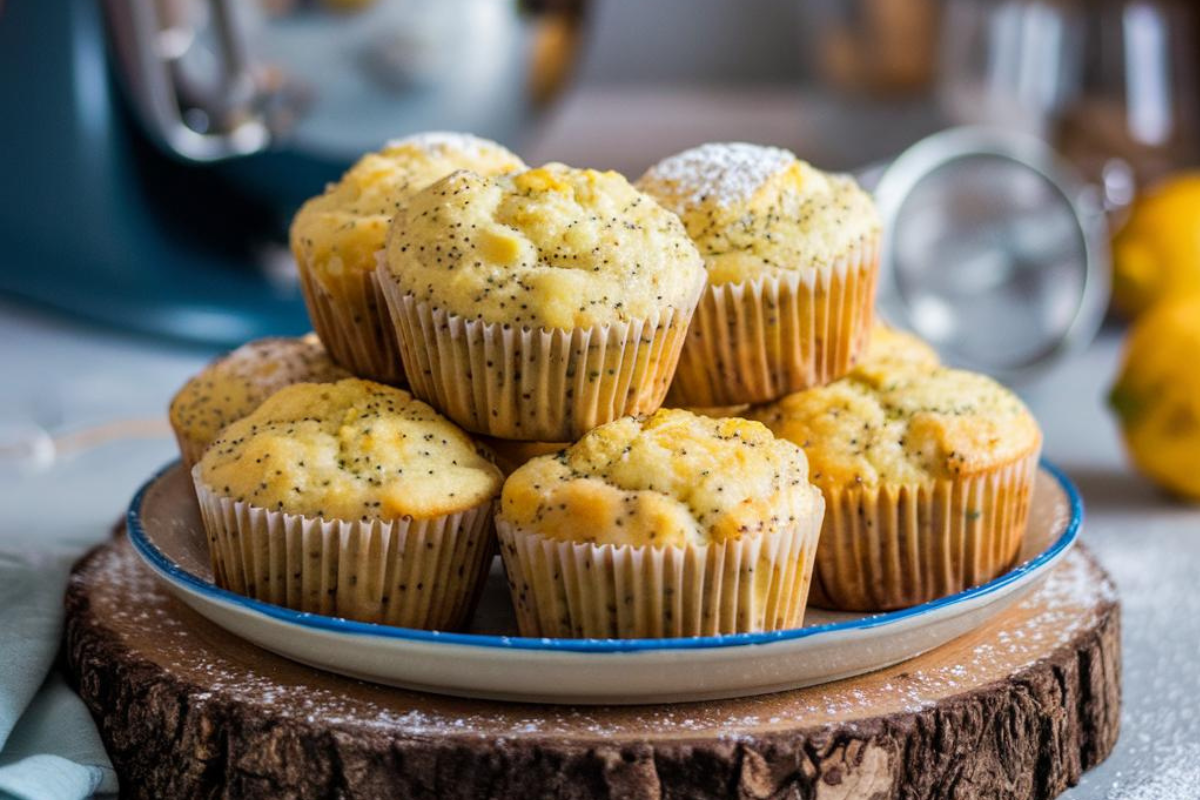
<point x="927" y="474"/>
<point x="235" y="384"/>
<point x="791" y="254"/>
<point x="335" y="238"/>
<point x="353" y="499"/>
<point x="538" y="305"/>
<point x="669" y="525"/>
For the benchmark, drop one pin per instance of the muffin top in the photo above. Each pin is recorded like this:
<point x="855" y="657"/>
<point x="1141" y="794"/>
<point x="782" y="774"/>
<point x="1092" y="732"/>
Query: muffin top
<point x="755" y="211"/>
<point x="890" y="346"/>
<point x="552" y="247"/>
<point x="341" y="230"/>
<point x="900" y="423"/>
<point x="349" y="450"/>
<point x="717" y="412"/>
<point x="672" y="478"/>
<point x="235" y="384"/>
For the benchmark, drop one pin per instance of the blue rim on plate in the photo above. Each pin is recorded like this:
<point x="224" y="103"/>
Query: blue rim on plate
<point x="149" y="551"/>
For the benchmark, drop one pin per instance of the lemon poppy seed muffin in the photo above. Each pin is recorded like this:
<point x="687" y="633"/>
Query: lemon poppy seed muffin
<point x="755" y="210"/>
<point x="537" y="305"/>
<point x="890" y="347"/>
<point x="719" y="412"/>
<point x="670" y="525"/>
<point x="552" y="247"/>
<point x="927" y="474"/>
<point x="235" y="384"/>
<point x="673" y="478"/>
<point x="791" y="255"/>
<point x="349" y="450"/>
<point x="351" y="498"/>
<point x="335" y="238"/>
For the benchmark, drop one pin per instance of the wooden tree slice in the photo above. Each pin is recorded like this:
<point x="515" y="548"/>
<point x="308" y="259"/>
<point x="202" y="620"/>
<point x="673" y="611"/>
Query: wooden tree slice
<point x="1019" y="708"/>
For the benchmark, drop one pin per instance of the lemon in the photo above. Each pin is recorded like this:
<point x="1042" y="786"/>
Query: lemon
<point x="1157" y="395"/>
<point x="1157" y="253"/>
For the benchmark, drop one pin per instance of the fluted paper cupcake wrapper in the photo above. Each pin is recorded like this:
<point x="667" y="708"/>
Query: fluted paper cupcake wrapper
<point x="900" y="546"/>
<point x="411" y="573"/>
<point x="580" y="590"/>
<point x="354" y="325"/>
<point x="756" y="341"/>
<point x="535" y="384"/>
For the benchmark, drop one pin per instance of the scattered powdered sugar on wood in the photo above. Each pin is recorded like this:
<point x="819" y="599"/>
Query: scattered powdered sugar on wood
<point x="320" y="699"/>
<point x="1055" y="621"/>
<point x="725" y="173"/>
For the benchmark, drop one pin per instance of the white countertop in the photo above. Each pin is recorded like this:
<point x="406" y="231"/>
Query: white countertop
<point x="69" y="379"/>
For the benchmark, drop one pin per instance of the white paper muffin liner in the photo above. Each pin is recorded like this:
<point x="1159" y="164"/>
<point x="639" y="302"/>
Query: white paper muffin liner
<point x="535" y="384"/>
<point x="580" y="590"/>
<point x="758" y="340"/>
<point x="411" y="573"/>
<point x="895" y="547"/>
<point x="354" y="325"/>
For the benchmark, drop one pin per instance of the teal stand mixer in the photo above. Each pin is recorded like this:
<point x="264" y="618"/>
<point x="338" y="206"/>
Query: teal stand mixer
<point x="155" y="150"/>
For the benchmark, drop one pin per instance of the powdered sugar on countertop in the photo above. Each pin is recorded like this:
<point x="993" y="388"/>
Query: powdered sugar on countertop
<point x="726" y="173"/>
<point x="1151" y="552"/>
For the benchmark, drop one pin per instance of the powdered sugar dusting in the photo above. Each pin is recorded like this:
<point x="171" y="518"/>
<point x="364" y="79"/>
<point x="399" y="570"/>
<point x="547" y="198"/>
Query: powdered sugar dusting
<point x="726" y="173"/>
<point x="1158" y="754"/>
<point x="1177" y="779"/>
<point x="233" y="671"/>
<point x="442" y="142"/>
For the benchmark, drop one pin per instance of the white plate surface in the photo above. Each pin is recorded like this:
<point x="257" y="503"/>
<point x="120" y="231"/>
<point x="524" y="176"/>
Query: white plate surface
<point x="492" y="662"/>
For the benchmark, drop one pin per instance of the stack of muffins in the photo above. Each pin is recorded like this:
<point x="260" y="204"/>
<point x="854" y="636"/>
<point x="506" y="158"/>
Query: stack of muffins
<point x="540" y="318"/>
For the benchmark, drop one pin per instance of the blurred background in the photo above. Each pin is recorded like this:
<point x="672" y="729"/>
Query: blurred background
<point x="157" y="148"/>
<point x="1035" y="162"/>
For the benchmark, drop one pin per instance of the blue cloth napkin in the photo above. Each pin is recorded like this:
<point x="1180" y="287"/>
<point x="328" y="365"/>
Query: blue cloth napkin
<point x="49" y="746"/>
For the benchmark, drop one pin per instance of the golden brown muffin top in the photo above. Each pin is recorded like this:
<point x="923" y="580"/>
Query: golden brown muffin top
<point x="755" y="211"/>
<point x="349" y="450"/>
<point x="552" y="247"/>
<point x="891" y="346"/>
<point x="670" y="479"/>
<point x="235" y="384"/>
<point x="899" y="423"/>
<point x="338" y="233"/>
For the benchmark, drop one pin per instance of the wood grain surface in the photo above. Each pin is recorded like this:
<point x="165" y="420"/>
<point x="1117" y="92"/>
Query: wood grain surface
<point x="1019" y="708"/>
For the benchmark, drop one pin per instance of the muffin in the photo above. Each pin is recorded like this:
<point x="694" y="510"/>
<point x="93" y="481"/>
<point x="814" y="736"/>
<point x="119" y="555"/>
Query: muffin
<point x="927" y="474"/>
<point x="538" y="305"/>
<point x="669" y="525"/>
<point x="335" y="238"/>
<point x="718" y="412"/>
<point x="891" y="346"/>
<point x="791" y="254"/>
<point x="235" y="384"/>
<point x="351" y="499"/>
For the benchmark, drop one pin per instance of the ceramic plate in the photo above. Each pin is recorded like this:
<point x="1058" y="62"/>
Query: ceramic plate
<point x="490" y="661"/>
